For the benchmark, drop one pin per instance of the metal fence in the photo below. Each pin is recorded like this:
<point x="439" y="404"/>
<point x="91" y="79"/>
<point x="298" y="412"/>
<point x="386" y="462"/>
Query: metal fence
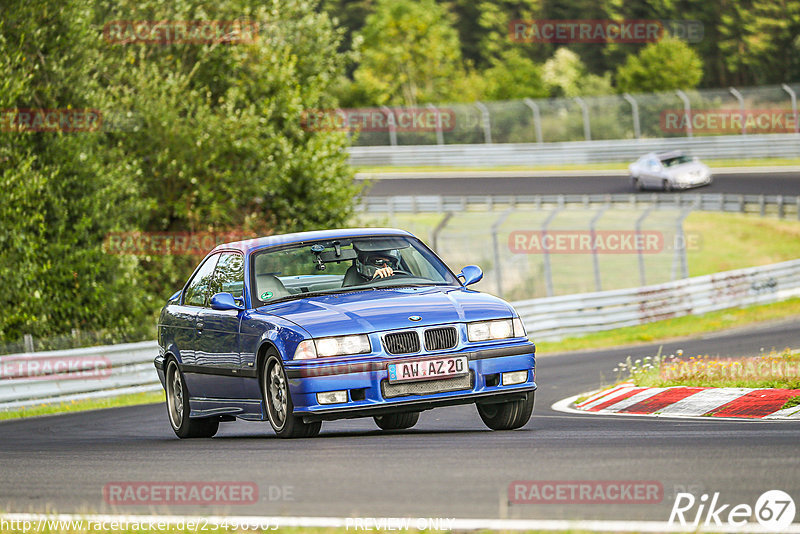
<point x="31" y="379"/>
<point x="547" y="245"/>
<point x="774" y="205"/>
<point x="563" y="153"/>
<point x="130" y="366"/>
<point x="688" y="113"/>
<point x="570" y="315"/>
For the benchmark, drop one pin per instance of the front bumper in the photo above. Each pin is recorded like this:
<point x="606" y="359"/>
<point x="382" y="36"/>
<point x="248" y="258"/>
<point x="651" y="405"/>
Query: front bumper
<point x="365" y="383"/>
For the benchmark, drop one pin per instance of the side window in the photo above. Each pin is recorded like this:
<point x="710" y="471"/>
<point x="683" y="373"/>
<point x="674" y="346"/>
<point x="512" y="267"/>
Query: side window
<point x="229" y="276"/>
<point x="197" y="292"/>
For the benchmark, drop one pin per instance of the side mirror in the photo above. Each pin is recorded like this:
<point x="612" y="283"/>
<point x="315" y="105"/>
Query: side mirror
<point x="224" y="301"/>
<point x="471" y="274"/>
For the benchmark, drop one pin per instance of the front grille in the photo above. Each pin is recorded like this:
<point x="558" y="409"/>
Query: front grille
<point x="401" y="342"/>
<point x="441" y="338"/>
<point x="426" y="387"/>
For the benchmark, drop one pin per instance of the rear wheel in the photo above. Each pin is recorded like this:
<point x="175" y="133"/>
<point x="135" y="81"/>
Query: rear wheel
<point x="278" y="402"/>
<point x="178" y="408"/>
<point x="666" y="185"/>
<point x="637" y="183"/>
<point x="397" y="421"/>
<point x="507" y="415"/>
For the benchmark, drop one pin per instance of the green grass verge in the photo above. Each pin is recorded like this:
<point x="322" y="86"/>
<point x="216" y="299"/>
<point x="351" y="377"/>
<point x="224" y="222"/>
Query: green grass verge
<point x="619" y="165"/>
<point x="691" y="325"/>
<point x="791" y="403"/>
<point x="773" y="370"/>
<point x="729" y="241"/>
<point x="84" y="405"/>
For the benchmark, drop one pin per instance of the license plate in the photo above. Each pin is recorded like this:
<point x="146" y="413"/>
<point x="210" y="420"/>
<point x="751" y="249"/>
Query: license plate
<point x="428" y="369"/>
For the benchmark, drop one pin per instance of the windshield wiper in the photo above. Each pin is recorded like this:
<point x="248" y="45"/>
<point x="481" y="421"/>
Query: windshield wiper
<point x="295" y="296"/>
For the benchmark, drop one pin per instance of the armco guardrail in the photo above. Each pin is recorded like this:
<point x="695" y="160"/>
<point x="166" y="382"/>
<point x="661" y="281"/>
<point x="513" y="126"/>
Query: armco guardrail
<point x="65" y="375"/>
<point x="38" y="378"/>
<point x="556" y="317"/>
<point x="491" y="155"/>
<point x="779" y="205"/>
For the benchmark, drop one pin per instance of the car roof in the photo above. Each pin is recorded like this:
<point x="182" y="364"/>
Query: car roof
<point x="250" y="245"/>
<point x="669" y="155"/>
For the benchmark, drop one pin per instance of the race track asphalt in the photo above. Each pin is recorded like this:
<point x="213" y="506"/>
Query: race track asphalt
<point x="449" y="465"/>
<point x="757" y="183"/>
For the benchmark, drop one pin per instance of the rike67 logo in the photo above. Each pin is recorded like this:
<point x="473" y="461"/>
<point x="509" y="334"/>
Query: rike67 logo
<point x="774" y="510"/>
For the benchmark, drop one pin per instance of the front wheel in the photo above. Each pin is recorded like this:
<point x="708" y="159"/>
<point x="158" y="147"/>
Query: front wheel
<point x="397" y="421"/>
<point x="666" y="185"/>
<point x="178" y="408"/>
<point x="278" y="401"/>
<point x="507" y="415"/>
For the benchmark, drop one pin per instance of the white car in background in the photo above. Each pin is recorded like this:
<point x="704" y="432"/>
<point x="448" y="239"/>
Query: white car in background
<point x="667" y="171"/>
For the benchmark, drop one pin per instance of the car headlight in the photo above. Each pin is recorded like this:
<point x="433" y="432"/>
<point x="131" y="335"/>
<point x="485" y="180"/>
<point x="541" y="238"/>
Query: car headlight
<point x="519" y="328"/>
<point x="486" y="330"/>
<point x="327" y="347"/>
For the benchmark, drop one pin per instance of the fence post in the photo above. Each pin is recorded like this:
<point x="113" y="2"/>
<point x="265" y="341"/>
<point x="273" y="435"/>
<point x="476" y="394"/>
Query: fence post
<point x="439" y="134"/>
<point x="587" y="129"/>
<point x="496" y="246"/>
<point x="637" y="127"/>
<point x="738" y="96"/>
<point x="548" y="272"/>
<point x="639" y="222"/>
<point x="595" y="260"/>
<point x="687" y="111"/>
<point x="537" y="118"/>
<point x="679" y="257"/>
<point x="485" y="122"/>
<point x="793" y="96"/>
<point x="780" y="206"/>
<point x="28" y="341"/>
<point x="439" y="227"/>
<point x="391" y="120"/>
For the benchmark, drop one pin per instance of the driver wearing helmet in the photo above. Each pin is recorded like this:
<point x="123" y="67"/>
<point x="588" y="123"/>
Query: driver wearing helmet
<point x="379" y="264"/>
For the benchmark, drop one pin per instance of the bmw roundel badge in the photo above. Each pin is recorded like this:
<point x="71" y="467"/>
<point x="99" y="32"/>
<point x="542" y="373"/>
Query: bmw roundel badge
<point x="415" y="318"/>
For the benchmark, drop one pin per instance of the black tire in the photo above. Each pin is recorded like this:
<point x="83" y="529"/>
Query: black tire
<point x="507" y="415"/>
<point x="396" y="421"/>
<point x="637" y="184"/>
<point x="178" y="407"/>
<point x="666" y="185"/>
<point x="278" y="402"/>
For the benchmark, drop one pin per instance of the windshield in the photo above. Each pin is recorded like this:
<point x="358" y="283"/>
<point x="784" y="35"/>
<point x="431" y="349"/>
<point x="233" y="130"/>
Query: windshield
<point x="678" y="160"/>
<point x="346" y="264"/>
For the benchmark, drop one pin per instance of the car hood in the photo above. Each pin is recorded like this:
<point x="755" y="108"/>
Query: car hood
<point x="388" y="309"/>
<point x="693" y="168"/>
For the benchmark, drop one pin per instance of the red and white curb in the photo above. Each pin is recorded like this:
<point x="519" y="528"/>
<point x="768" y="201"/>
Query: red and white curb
<point x="678" y="401"/>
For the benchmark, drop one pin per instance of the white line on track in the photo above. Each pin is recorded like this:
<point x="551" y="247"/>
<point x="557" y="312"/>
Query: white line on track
<point x="349" y="523"/>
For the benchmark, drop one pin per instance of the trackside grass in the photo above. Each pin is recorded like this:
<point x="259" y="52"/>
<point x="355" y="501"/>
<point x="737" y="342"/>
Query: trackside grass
<point x="83" y="405"/>
<point x="779" y="370"/>
<point x="677" y="327"/>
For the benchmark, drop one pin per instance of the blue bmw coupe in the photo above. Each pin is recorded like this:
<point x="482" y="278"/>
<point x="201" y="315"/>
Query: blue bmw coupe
<point x="307" y="327"/>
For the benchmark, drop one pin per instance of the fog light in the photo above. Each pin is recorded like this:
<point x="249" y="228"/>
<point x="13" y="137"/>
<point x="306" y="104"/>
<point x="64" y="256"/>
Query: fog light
<point x="515" y="377"/>
<point x="332" y="397"/>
